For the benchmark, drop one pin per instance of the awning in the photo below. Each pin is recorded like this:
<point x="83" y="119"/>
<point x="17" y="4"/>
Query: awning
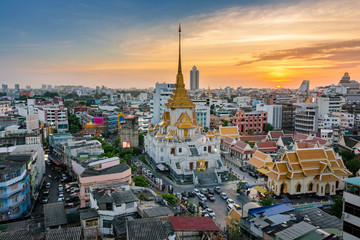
<point x="161" y="167"/>
<point x="54" y="160"/>
<point x="262" y="170"/>
<point x="261" y="190"/>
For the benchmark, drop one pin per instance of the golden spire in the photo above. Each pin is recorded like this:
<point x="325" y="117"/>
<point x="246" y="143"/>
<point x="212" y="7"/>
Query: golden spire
<point x="180" y="98"/>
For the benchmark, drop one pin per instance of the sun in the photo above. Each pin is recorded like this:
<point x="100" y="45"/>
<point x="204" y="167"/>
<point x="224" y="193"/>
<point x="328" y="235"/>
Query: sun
<point x="278" y="86"/>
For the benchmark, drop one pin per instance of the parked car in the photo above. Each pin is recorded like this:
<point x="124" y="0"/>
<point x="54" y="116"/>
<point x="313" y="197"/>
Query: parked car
<point x="211" y="191"/>
<point x="203" y="205"/>
<point x="230" y="201"/>
<point x="210" y="197"/>
<point x="196" y="191"/>
<point x="75" y="190"/>
<point x="229" y="207"/>
<point x="205" y="214"/>
<point x="217" y="190"/>
<point x="46" y="192"/>
<point x="178" y="195"/>
<point x="60" y="199"/>
<point x="211" y="212"/>
<point x="191" y="194"/>
<point x="243" y="169"/>
<point x="185" y="194"/>
<point x="204" y="191"/>
<point x="251" y="173"/>
<point x="223" y="196"/>
<point x="202" y="197"/>
<point x="61" y="188"/>
<point x="48" y="185"/>
<point x="61" y="195"/>
<point x="45" y="200"/>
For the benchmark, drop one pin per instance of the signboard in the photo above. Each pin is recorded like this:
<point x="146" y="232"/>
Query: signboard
<point x="99" y="120"/>
<point x="126" y="144"/>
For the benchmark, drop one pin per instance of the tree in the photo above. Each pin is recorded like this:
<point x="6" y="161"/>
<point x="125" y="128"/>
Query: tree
<point x="226" y="123"/>
<point x="337" y="207"/>
<point x="234" y="230"/>
<point x="268" y="127"/>
<point x="251" y="131"/>
<point x="347" y="155"/>
<point x="353" y="165"/>
<point x="140" y="181"/>
<point x="266" y="201"/>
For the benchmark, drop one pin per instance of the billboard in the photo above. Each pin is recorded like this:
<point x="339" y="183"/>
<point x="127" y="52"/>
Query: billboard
<point x="126" y="144"/>
<point x="99" y="120"/>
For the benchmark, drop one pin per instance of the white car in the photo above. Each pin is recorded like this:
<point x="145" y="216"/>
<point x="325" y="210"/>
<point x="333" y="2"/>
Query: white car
<point x="202" y="197"/>
<point x="196" y="191"/>
<point x="211" y="212"/>
<point x="230" y="201"/>
<point x="223" y="196"/>
<point x="60" y="199"/>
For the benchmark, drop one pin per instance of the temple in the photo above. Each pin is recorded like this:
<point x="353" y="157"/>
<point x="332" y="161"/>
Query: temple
<point x="179" y="143"/>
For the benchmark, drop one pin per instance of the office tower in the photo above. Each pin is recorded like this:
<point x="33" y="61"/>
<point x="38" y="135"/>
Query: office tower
<point x="4" y="87"/>
<point x="17" y="87"/>
<point x="194" y="78"/>
<point x="161" y="95"/>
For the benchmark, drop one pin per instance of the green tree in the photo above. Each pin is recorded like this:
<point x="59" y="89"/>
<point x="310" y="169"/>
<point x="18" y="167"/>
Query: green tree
<point x="337" y="207"/>
<point x="140" y="181"/>
<point x="251" y="144"/>
<point x="234" y="231"/>
<point x="266" y="201"/>
<point x="226" y="123"/>
<point x="347" y="155"/>
<point x="353" y="165"/>
<point x="251" y="131"/>
<point x="141" y="139"/>
<point x="268" y="127"/>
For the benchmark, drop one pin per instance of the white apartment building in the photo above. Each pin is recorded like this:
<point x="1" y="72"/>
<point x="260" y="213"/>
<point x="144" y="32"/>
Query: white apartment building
<point x="342" y="119"/>
<point x="202" y="114"/>
<point x="161" y="95"/>
<point x="54" y="115"/>
<point x="306" y="117"/>
<point x="243" y="101"/>
<point x="351" y="209"/>
<point x="329" y="104"/>
<point x="274" y="114"/>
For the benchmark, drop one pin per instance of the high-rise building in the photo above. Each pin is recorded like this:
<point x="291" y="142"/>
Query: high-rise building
<point x="304" y="87"/>
<point x="351" y="209"/>
<point x="28" y="87"/>
<point x="17" y="87"/>
<point x="194" y="78"/>
<point x="49" y="87"/>
<point x="4" y="87"/>
<point x="306" y="117"/>
<point x="288" y="121"/>
<point x="329" y="104"/>
<point x="43" y="87"/>
<point x="274" y="113"/>
<point x="161" y="95"/>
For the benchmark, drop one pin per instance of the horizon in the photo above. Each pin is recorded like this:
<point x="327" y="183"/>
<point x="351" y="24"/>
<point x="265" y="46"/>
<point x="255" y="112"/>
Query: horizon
<point x="248" y="44"/>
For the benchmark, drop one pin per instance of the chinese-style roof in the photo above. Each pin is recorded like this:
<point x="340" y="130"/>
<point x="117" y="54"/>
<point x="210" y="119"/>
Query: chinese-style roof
<point x="255" y="138"/>
<point x="228" y="141"/>
<point x="266" y="146"/>
<point x="260" y="160"/>
<point x="276" y="134"/>
<point x="301" y="136"/>
<point x="193" y="223"/>
<point x="231" y="131"/>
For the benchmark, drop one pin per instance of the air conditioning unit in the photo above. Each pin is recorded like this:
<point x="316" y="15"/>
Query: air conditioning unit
<point x="346" y="215"/>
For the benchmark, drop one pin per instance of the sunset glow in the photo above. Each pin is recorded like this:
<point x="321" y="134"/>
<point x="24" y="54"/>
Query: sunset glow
<point x="231" y="45"/>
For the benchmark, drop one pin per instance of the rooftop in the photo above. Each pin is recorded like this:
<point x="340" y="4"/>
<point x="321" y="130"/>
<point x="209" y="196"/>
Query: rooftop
<point x="295" y="231"/>
<point x="270" y="210"/>
<point x="54" y="214"/>
<point x="193" y="224"/>
<point x="73" y="233"/>
<point x="353" y="181"/>
<point x="89" y="172"/>
<point x="146" y="228"/>
<point x="117" y="197"/>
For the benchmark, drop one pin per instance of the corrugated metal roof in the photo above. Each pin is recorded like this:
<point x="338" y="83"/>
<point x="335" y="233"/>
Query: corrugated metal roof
<point x="193" y="224"/>
<point x="270" y="210"/>
<point x="73" y="233"/>
<point x="295" y="231"/>
<point x="145" y="228"/>
<point x="54" y="214"/>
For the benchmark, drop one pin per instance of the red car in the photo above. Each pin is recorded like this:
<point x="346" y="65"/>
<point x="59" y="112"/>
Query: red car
<point x="210" y="197"/>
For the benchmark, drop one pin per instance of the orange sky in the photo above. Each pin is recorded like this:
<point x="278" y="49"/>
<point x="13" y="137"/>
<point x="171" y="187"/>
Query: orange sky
<point x="258" y="46"/>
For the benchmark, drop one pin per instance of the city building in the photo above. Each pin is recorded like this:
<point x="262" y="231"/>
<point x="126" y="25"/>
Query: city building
<point x="203" y="114"/>
<point x="82" y="148"/>
<point x="178" y="141"/>
<point x="306" y="117"/>
<point x="310" y="171"/>
<point x="274" y="114"/>
<point x="329" y="104"/>
<point x="160" y="97"/>
<point x="109" y="203"/>
<point x="351" y="209"/>
<point x="304" y="87"/>
<point x="55" y="116"/>
<point x="14" y="190"/>
<point x="194" y="79"/>
<point x="17" y="87"/>
<point x="19" y="137"/>
<point x="129" y="131"/>
<point x="288" y="117"/>
<point x="250" y="122"/>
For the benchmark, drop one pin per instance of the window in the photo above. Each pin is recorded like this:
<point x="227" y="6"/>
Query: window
<point x="351" y="229"/>
<point x="16" y="211"/>
<point x="107" y="223"/>
<point x="352" y="209"/>
<point x="130" y="205"/>
<point x="15" y="199"/>
<point x="1" y="204"/>
<point x="205" y="149"/>
<point x="14" y="187"/>
<point x="310" y="188"/>
<point x="1" y="191"/>
<point x="180" y="150"/>
<point x="172" y="151"/>
<point x="298" y="188"/>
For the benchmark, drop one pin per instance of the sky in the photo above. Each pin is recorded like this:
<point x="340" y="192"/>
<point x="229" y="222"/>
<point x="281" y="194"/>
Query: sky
<point x="125" y="44"/>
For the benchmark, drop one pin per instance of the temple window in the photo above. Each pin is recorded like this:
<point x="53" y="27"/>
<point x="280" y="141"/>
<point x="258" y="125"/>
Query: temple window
<point x="298" y="187"/>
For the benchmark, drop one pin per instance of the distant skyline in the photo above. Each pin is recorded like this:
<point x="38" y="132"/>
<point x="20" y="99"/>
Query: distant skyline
<point x="124" y="44"/>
